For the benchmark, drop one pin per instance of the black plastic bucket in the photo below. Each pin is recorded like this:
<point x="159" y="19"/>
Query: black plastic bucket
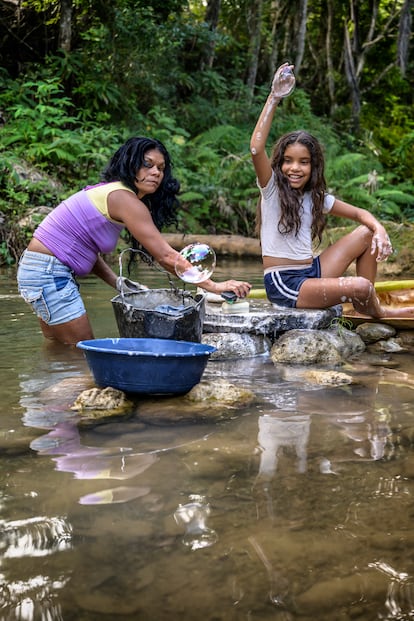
<point x="160" y="313"/>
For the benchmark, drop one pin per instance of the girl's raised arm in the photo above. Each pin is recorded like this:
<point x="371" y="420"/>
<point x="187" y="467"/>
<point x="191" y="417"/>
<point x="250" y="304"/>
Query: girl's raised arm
<point x="282" y="85"/>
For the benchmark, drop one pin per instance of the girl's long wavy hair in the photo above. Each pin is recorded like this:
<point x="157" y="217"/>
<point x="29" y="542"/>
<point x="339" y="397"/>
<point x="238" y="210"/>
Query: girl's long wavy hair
<point x="290" y="198"/>
<point x="123" y="166"/>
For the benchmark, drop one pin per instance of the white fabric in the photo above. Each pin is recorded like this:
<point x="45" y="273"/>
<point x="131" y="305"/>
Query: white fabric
<point x="290" y="246"/>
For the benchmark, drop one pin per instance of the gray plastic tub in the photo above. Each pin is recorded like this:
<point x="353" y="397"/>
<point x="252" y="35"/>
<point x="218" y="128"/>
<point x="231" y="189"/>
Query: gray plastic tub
<point x="160" y="313"/>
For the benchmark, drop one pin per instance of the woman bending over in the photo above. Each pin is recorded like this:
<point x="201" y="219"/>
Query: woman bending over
<point x="138" y="193"/>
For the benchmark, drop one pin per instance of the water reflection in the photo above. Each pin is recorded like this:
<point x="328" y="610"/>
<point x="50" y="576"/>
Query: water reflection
<point x="32" y="599"/>
<point x="38" y="536"/>
<point x="193" y="516"/>
<point x="304" y="499"/>
<point x="279" y="433"/>
<point x="87" y="462"/>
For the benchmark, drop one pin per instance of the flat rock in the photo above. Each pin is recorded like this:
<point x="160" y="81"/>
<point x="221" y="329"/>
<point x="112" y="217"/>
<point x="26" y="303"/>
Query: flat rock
<point x="268" y="319"/>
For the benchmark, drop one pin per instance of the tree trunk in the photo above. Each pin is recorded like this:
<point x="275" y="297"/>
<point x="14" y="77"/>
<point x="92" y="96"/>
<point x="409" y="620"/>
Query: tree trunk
<point x="329" y="60"/>
<point x="254" y="26"/>
<point x="212" y="19"/>
<point x="301" y="38"/>
<point x="275" y="12"/>
<point x="404" y="35"/>
<point x="65" y="25"/>
<point x="352" y="79"/>
<point x="355" y="54"/>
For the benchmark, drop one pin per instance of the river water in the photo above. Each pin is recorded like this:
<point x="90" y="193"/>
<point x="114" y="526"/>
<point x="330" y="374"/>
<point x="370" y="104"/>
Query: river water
<point x="299" y="506"/>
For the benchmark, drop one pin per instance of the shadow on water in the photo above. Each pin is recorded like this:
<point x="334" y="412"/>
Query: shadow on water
<point x="298" y="506"/>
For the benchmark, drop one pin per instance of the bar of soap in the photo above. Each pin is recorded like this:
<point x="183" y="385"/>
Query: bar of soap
<point x="237" y="307"/>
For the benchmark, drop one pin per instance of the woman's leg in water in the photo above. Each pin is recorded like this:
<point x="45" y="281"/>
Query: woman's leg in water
<point x="69" y="333"/>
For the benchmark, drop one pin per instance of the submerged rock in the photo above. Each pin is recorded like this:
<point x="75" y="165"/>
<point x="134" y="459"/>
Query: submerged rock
<point x="342" y="591"/>
<point x="328" y="378"/>
<point x="101" y="404"/>
<point x="220" y="392"/>
<point x="101" y="399"/>
<point x="390" y="346"/>
<point x="206" y="402"/>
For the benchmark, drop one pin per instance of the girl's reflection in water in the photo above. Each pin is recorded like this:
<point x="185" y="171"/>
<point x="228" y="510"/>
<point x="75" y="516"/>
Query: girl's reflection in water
<point x="277" y="432"/>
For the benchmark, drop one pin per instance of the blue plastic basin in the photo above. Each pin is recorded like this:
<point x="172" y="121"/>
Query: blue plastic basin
<point x="146" y="366"/>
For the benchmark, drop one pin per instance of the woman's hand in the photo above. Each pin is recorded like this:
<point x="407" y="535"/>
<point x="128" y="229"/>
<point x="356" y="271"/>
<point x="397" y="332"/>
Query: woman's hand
<point x="381" y="244"/>
<point x="240" y="288"/>
<point x="125" y="285"/>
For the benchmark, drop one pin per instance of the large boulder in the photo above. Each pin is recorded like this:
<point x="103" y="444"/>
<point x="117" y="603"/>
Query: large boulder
<point x="316" y="347"/>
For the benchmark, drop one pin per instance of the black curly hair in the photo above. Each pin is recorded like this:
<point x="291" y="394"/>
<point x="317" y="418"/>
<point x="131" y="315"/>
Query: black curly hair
<point x="123" y="166"/>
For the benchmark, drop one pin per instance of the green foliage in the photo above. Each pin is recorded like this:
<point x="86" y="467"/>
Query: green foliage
<point x="139" y="67"/>
<point x="403" y="154"/>
<point x="42" y="131"/>
<point x="353" y="177"/>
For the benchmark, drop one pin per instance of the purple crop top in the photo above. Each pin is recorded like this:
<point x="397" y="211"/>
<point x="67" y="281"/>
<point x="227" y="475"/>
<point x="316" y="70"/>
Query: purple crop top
<point x="76" y="232"/>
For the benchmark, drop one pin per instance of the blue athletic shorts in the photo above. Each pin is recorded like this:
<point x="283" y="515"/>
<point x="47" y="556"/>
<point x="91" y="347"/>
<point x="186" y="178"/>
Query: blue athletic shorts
<point x="49" y="287"/>
<point x="282" y="284"/>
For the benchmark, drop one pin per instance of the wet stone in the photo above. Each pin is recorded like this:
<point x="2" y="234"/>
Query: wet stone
<point x="372" y="332"/>
<point x="331" y="594"/>
<point x="13" y="444"/>
<point x="206" y="402"/>
<point x="406" y="338"/>
<point x="407" y="436"/>
<point x="390" y="346"/>
<point x="328" y="378"/>
<point x="268" y="319"/>
<point x="101" y="399"/>
<point x="236" y="345"/>
<point x="316" y="347"/>
<point x="108" y="596"/>
<point x="101" y="404"/>
<point x="408" y="467"/>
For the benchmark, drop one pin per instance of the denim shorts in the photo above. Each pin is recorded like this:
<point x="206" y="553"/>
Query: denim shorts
<point x="49" y="287"/>
<point x="282" y="284"/>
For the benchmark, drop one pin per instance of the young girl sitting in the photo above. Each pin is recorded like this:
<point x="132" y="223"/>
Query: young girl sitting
<point x="292" y="215"/>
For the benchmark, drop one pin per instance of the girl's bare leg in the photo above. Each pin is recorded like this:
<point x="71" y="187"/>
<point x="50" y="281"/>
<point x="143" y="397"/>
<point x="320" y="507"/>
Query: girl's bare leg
<point x="333" y="288"/>
<point x="69" y="333"/>
<point x="324" y="292"/>
<point x="356" y="246"/>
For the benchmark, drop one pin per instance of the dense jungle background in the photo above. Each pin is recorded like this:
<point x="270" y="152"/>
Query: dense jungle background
<point x="78" y="77"/>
